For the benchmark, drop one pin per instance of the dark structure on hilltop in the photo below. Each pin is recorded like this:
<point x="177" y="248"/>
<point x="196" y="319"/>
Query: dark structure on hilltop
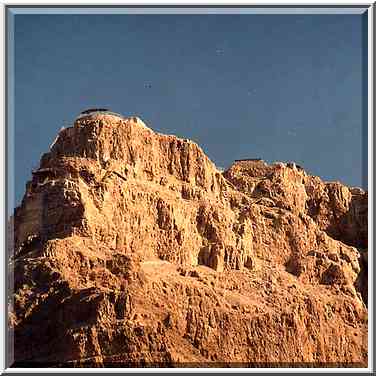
<point x="96" y="111"/>
<point x="90" y="110"/>
<point x="249" y="160"/>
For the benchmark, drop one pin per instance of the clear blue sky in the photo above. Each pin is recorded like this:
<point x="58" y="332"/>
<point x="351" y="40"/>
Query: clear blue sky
<point x="278" y="87"/>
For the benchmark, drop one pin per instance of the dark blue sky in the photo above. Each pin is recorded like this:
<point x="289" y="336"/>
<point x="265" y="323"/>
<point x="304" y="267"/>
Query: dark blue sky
<point x="279" y="87"/>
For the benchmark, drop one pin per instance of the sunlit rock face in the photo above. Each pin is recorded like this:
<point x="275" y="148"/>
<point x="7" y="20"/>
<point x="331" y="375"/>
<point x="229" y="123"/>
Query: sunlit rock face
<point x="132" y="249"/>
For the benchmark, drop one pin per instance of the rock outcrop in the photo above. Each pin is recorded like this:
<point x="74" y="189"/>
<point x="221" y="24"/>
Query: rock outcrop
<point x="132" y="249"/>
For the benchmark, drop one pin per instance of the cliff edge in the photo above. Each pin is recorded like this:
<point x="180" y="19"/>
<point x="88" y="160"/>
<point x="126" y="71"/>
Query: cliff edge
<point x="132" y="249"/>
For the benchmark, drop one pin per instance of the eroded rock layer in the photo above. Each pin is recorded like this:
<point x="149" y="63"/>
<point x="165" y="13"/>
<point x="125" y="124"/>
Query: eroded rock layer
<point x="132" y="249"/>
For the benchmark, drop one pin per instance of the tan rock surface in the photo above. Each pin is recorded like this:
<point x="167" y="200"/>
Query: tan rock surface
<point x="132" y="248"/>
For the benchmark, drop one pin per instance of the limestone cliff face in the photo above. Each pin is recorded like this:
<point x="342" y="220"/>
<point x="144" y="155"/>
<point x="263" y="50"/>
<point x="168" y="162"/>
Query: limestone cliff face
<point x="132" y="248"/>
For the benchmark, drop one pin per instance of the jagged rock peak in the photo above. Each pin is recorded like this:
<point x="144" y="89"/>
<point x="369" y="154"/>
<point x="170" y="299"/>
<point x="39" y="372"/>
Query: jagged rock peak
<point x="132" y="248"/>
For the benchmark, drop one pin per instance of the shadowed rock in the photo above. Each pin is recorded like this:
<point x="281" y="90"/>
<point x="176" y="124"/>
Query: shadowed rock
<point x="132" y="249"/>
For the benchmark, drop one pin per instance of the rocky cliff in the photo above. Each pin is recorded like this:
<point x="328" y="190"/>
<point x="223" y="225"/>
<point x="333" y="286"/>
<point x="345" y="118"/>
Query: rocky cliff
<point x="132" y="249"/>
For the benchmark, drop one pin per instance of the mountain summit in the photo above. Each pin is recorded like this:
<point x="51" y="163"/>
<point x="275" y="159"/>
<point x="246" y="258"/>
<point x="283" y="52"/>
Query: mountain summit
<point x="132" y="249"/>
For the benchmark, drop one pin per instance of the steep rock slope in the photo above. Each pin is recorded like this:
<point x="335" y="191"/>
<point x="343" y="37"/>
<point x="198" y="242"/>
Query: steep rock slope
<point x="132" y="248"/>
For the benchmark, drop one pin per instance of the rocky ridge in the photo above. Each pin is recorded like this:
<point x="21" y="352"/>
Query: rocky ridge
<point x="132" y="249"/>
